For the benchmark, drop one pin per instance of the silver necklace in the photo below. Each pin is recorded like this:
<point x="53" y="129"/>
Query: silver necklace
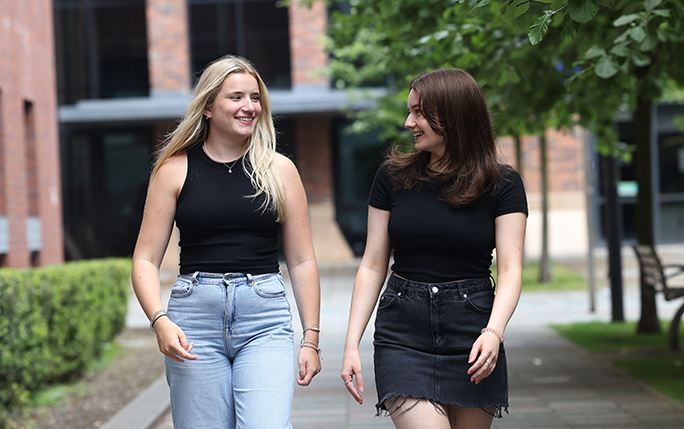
<point x="213" y="158"/>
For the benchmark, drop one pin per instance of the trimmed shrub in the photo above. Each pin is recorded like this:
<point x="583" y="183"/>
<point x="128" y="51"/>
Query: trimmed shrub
<point x="54" y="321"/>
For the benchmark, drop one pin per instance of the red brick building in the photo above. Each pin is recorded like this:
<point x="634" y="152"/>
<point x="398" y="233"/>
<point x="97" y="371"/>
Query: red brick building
<point x="30" y="192"/>
<point x="124" y="90"/>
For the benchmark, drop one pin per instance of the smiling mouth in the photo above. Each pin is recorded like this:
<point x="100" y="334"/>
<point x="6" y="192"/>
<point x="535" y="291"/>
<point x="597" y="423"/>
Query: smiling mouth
<point x="245" y="120"/>
<point x="417" y="135"/>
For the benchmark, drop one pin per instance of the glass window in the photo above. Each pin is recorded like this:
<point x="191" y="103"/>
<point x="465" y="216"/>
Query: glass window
<point x="255" y="29"/>
<point x="101" y="49"/>
<point x="105" y="172"/>
<point x="357" y="158"/>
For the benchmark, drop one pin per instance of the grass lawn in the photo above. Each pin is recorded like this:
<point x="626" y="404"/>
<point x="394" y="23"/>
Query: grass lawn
<point x="562" y="278"/>
<point x="644" y="356"/>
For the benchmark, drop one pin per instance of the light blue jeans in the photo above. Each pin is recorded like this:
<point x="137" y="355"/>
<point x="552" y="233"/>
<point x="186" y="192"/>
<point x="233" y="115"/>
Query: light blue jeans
<point x="244" y="373"/>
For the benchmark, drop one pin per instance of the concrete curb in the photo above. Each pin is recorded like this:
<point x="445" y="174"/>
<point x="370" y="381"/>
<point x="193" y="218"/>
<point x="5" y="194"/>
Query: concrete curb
<point x="144" y="410"/>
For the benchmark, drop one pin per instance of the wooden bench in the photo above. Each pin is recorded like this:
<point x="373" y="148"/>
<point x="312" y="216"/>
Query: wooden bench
<point x="656" y="275"/>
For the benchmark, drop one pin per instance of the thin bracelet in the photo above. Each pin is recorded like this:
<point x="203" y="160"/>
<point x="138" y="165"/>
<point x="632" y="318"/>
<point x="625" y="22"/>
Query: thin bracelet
<point x="312" y="346"/>
<point x="493" y="331"/>
<point x="161" y="310"/>
<point x="155" y="321"/>
<point x="311" y="329"/>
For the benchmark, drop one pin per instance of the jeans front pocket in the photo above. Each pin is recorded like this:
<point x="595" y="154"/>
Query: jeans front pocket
<point x="270" y="286"/>
<point x="182" y="288"/>
<point x="482" y="301"/>
<point x="389" y="297"/>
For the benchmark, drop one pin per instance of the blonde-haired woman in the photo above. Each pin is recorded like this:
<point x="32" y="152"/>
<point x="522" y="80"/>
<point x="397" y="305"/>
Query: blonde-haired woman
<point x="227" y="334"/>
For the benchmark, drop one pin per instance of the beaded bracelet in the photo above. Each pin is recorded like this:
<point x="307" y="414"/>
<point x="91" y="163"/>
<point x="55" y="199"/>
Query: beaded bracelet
<point x="493" y="331"/>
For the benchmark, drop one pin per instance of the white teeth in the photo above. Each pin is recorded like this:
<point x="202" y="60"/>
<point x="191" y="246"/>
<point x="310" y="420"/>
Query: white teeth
<point x="245" y="119"/>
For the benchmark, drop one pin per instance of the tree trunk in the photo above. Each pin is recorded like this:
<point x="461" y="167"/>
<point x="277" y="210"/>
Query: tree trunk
<point x="648" y="323"/>
<point x="544" y="263"/>
<point x="518" y="153"/>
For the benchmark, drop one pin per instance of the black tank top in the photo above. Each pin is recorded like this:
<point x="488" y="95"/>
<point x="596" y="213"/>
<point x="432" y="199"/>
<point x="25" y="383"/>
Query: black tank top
<point x="222" y="230"/>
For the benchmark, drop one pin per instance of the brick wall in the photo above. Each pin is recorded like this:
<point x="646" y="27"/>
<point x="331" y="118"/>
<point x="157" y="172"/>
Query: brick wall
<point x="308" y="57"/>
<point x="27" y="78"/>
<point x="314" y="157"/>
<point x="168" y="46"/>
<point x="565" y="160"/>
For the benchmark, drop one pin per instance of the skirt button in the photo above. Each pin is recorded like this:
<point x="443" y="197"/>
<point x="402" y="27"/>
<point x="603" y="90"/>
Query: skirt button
<point x="434" y="289"/>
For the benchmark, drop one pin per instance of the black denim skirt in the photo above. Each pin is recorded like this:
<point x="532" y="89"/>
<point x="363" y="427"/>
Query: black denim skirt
<point x="423" y="336"/>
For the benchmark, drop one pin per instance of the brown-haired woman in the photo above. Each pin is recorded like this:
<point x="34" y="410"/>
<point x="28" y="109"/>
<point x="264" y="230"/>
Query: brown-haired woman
<point x="441" y="211"/>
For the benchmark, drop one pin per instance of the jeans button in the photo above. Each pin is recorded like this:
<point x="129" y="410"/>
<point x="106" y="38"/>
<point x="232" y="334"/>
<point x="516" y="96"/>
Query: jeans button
<point x="465" y="295"/>
<point x="435" y="289"/>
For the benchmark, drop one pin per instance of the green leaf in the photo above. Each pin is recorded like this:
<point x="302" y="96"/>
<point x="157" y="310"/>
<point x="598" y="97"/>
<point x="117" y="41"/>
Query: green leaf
<point x="582" y="11"/>
<point x="540" y="27"/>
<point x="605" y="68"/>
<point x="649" y="43"/>
<point x="622" y="37"/>
<point x="625" y="19"/>
<point x="638" y="34"/>
<point x="594" y="52"/>
<point x="620" y="50"/>
<point x="665" y="13"/>
<point x="570" y="27"/>
<point x="652" y="4"/>
<point x="481" y="3"/>
<point x="606" y="3"/>
<point x="640" y="59"/>
<point x="513" y="11"/>
<point x="557" y="4"/>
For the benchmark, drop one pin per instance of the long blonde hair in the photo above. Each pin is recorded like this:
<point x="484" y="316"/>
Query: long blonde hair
<point x="261" y="145"/>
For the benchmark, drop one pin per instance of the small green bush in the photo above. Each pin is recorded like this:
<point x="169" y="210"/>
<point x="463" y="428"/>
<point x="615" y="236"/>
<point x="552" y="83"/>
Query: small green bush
<point x="54" y="321"/>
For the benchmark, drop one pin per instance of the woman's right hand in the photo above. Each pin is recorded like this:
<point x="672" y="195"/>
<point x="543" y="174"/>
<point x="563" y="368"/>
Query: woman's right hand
<point x="351" y="367"/>
<point x="172" y="341"/>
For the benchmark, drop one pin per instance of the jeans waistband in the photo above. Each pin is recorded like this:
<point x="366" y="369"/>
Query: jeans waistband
<point x="457" y="287"/>
<point x="224" y="277"/>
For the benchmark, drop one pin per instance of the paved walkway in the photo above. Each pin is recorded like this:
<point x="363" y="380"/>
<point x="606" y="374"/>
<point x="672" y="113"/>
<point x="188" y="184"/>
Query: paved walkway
<point x="553" y="383"/>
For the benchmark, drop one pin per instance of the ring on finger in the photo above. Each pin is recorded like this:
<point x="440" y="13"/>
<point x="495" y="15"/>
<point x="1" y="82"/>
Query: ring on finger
<point x="347" y="382"/>
<point x="487" y="362"/>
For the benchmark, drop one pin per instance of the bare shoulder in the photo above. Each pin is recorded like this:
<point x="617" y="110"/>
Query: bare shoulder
<point x="172" y="172"/>
<point x="287" y="168"/>
<point x="174" y="165"/>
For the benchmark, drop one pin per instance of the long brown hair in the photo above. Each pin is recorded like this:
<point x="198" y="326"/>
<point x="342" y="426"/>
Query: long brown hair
<point x="456" y="109"/>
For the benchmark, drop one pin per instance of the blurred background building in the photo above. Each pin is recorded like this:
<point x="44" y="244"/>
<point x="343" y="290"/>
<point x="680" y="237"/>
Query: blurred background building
<point x="114" y="77"/>
<point x="30" y="193"/>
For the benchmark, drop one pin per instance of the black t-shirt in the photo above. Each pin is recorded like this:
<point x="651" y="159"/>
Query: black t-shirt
<point x="221" y="229"/>
<point x="433" y="241"/>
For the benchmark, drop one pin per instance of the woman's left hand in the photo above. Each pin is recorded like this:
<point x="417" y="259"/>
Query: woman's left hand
<point x="309" y="365"/>
<point x="483" y="357"/>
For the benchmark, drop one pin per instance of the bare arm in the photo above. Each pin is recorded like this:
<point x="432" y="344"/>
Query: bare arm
<point x="155" y="231"/>
<point x="510" y="237"/>
<point x="367" y="286"/>
<point x="301" y="264"/>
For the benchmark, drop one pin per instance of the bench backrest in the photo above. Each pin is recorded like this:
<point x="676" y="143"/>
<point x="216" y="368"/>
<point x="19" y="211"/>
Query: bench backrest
<point x="651" y="270"/>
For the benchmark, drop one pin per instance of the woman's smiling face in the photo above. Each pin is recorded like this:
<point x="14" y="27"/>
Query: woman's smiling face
<point x="237" y="107"/>
<point x="425" y="138"/>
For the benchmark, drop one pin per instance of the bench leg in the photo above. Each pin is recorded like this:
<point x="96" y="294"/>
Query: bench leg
<point x="674" y="329"/>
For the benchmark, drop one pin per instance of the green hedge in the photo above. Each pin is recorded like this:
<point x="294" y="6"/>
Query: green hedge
<point x="54" y="321"/>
